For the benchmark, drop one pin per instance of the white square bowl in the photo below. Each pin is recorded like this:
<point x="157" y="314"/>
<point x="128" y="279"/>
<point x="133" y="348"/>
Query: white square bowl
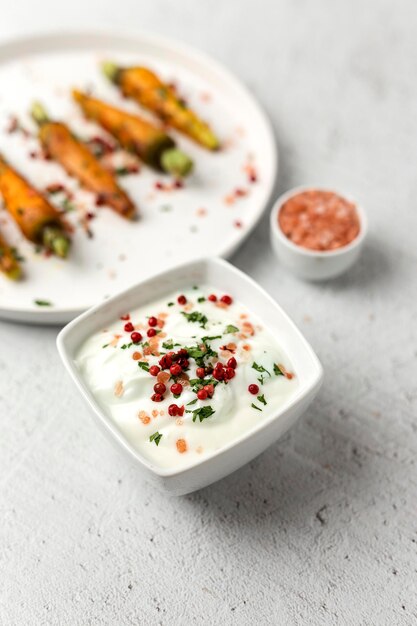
<point x="225" y="277"/>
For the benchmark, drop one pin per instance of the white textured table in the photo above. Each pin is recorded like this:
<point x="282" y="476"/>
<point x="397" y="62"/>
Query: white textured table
<point x="322" y="528"/>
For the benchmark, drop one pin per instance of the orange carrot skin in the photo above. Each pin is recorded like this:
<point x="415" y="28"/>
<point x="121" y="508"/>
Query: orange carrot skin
<point x="80" y="163"/>
<point x="132" y="132"/>
<point x="29" y="208"/>
<point x="147" y="89"/>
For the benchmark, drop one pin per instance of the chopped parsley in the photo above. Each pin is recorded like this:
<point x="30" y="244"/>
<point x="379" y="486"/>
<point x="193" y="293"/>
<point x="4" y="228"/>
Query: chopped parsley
<point x="68" y="206"/>
<point x="144" y="365"/>
<point x="277" y="370"/>
<point x="156" y="438"/>
<point x="124" y="171"/>
<point x="201" y="352"/>
<point x="43" y="303"/>
<point x="205" y="339"/>
<point x="255" y="407"/>
<point x="126" y="345"/>
<point x="262" y="399"/>
<point x="192" y="402"/>
<point x="202" y="413"/>
<point x="169" y="344"/>
<point x="170" y="303"/>
<point x="230" y="329"/>
<point x="16" y="255"/>
<point x="196" y="317"/>
<point x="105" y="345"/>
<point x="201" y="299"/>
<point x="262" y="370"/>
<point x="199" y="383"/>
<point x="195" y="286"/>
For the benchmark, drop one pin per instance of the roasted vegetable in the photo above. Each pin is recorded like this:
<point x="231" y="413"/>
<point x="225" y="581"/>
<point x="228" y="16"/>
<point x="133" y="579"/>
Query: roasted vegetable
<point x="144" y="86"/>
<point x="137" y="135"/>
<point x="78" y="161"/>
<point x="38" y="220"/>
<point x="9" y="263"/>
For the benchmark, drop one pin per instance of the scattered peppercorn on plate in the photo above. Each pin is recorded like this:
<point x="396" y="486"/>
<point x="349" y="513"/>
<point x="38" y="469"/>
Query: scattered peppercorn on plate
<point x="131" y="154"/>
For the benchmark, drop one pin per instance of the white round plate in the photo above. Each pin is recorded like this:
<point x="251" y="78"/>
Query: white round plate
<point x="211" y="215"/>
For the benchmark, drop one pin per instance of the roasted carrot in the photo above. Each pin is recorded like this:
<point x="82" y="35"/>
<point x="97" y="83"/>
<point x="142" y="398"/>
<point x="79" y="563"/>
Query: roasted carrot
<point x="144" y="86"/>
<point x="9" y="263"/>
<point x="38" y="220"/>
<point x="61" y="145"/>
<point x="137" y="135"/>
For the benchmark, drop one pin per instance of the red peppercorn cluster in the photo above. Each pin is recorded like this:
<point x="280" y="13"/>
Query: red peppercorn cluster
<point x="227" y="372"/>
<point x="226" y="299"/>
<point x="174" y="410"/>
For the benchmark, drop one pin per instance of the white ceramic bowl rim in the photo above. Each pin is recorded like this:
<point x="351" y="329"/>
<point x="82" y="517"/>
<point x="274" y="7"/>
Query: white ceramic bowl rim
<point x="363" y="221"/>
<point x="112" y="428"/>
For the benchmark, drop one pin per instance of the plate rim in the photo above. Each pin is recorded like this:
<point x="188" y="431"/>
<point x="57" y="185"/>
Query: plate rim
<point x="30" y="39"/>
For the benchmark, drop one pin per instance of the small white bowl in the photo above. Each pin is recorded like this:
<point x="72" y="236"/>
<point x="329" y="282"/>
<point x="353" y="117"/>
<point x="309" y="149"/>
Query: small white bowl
<point x="226" y="278"/>
<point x="315" y="264"/>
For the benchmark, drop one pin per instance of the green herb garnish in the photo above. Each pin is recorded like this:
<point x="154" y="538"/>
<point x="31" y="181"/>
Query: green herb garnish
<point x="126" y="345"/>
<point x="105" y="345"/>
<point x="144" y="365"/>
<point x="201" y="299"/>
<point x="196" y="317"/>
<point x="199" y="383"/>
<point x="192" y="402"/>
<point x="156" y="438"/>
<point x="255" y="407"/>
<point x="262" y="399"/>
<point x="230" y="329"/>
<point x="277" y="370"/>
<point x="205" y="339"/>
<point x="68" y="206"/>
<point x="170" y="303"/>
<point x="260" y="368"/>
<point x="202" y="413"/>
<point x="43" y="303"/>
<point x="124" y="171"/>
<point x="16" y="255"/>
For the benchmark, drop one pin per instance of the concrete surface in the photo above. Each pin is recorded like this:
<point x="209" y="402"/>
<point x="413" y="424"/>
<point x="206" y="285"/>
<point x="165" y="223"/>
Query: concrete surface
<point x="322" y="528"/>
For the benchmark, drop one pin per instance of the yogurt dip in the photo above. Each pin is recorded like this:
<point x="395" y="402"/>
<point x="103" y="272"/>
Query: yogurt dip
<point x="186" y="375"/>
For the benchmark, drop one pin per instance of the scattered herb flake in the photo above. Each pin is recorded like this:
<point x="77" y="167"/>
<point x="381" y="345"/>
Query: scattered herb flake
<point x="43" y="303"/>
<point x="277" y="370"/>
<point x="260" y="368"/>
<point x="156" y="438"/>
<point x="192" y="402"/>
<point x="201" y="299"/>
<point x="196" y="317"/>
<point x="205" y="339"/>
<point x="262" y="399"/>
<point x="255" y="407"/>
<point x="230" y="329"/>
<point x="202" y="413"/>
<point x="105" y="345"/>
<point x="126" y="345"/>
<point x="144" y="365"/>
<point x="170" y="303"/>
<point x="68" y="206"/>
<point x="17" y="257"/>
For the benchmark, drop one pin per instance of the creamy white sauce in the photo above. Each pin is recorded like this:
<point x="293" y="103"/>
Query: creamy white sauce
<point x="124" y="390"/>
